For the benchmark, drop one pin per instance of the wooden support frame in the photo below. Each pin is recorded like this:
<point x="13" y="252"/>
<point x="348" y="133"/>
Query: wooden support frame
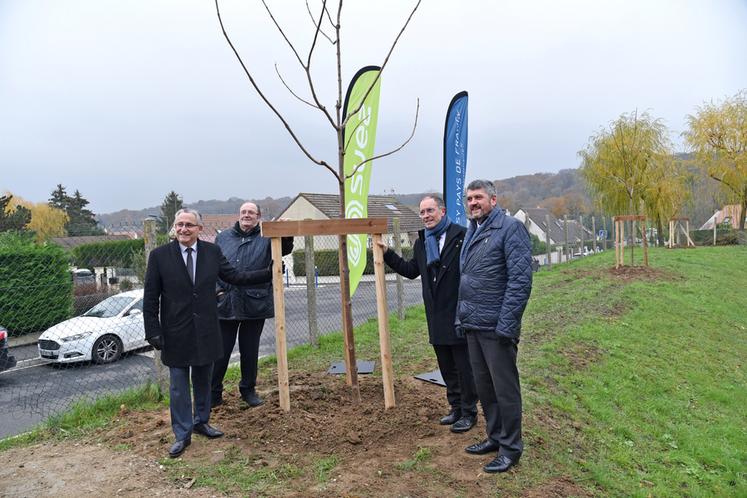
<point x="373" y="226"/>
<point x="674" y="225"/>
<point x="619" y="222"/>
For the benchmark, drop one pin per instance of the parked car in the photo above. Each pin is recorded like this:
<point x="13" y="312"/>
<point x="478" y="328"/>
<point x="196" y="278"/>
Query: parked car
<point x="6" y="359"/>
<point x="101" y="334"/>
<point x="83" y="276"/>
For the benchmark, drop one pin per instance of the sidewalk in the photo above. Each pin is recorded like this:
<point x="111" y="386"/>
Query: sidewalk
<point x="24" y="340"/>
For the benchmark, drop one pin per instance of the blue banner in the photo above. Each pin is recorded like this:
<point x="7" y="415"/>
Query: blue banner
<point x="455" y="158"/>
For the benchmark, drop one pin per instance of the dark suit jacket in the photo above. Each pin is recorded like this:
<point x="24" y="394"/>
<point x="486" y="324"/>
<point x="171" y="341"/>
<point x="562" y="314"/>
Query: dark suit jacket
<point x="183" y="314"/>
<point x="440" y="298"/>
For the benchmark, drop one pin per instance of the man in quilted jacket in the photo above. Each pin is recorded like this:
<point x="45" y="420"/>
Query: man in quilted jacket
<point x="495" y="283"/>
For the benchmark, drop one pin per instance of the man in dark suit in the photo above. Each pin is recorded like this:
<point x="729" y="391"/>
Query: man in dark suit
<point x="436" y="261"/>
<point x="181" y="319"/>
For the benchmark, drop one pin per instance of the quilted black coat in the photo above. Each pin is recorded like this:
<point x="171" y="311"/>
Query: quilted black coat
<point x="496" y="266"/>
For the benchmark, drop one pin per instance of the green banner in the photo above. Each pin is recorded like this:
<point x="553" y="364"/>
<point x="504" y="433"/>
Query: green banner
<point x="360" y="136"/>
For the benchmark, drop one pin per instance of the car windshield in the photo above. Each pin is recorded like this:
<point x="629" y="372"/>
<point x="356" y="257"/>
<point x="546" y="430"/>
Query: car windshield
<point x="109" y="307"/>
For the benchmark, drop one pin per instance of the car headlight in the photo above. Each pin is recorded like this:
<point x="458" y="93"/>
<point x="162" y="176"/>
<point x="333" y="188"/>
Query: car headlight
<point x="76" y="337"/>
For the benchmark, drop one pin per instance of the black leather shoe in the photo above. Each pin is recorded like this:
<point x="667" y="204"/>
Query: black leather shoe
<point x="208" y="431"/>
<point x="482" y="447"/>
<point x="501" y="463"/>
<point x="464" y="424"/>
<point x="252" y="399"/>
<point x="452" y="417"/>
<point x="178" y="447"/>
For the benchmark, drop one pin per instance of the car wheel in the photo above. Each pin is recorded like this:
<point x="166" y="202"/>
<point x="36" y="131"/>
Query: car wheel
<point x="106" y="349"/>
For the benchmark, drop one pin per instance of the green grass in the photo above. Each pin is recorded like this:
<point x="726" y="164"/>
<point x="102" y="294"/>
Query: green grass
<point x="631" y="387"/>
<point x="418" y="460"/>
<point x="85" y="415"/>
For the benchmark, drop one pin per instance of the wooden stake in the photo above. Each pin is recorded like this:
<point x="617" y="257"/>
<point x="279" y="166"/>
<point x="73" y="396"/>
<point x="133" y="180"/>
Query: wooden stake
<point x="382" y="310"/>
<point x="281" y="349"/>
<point x="645" y="242"/>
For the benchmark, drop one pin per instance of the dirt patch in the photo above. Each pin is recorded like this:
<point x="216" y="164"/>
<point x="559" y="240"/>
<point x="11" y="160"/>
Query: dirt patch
<point x="581" y="355"/>
<point x="397" y="452"/>
<point x="84" y="469"/>
<point x="556" y="488"/>
<point x="627" y="273"/>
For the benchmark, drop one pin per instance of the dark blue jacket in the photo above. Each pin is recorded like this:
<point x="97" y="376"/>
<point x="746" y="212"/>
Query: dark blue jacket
<point x="247" y="251"/>
<point x="496" y="266"/>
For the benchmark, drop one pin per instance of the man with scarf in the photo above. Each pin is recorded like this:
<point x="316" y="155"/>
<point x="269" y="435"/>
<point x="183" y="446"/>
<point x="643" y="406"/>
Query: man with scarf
<point x="436" y="261"/>
<point x="496" y="281"/>
<point x="242" y="310"/>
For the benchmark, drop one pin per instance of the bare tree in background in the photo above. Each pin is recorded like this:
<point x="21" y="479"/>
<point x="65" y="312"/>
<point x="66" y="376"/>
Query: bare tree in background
<point x="328" y="20"/>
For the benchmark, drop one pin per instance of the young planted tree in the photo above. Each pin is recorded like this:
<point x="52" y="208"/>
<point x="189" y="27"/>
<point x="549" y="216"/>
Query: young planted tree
<point x="327" y="28"/>
<point x="718" y="136"/>
<point x="627" y="167"/>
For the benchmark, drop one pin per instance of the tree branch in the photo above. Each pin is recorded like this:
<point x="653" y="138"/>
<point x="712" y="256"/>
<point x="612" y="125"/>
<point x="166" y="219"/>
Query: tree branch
<point x="291" y="91"/>
<point x="383" y="65"/>
<point x="324" y="9"/>
<point x="266" y="101"/>
<point x="269" y="12"/>
<point x="414" y="126"/>
<point x="307" y="68"/>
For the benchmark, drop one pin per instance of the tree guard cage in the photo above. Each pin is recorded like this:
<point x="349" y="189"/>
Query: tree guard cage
<point x="675" y="227"/>
<point x="340" y="227"/>
<point x="620" y="238"/>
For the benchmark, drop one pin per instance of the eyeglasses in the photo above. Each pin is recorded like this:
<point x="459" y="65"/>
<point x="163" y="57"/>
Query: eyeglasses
<point x="185" y="225"/>
<point x="253" y="213"/>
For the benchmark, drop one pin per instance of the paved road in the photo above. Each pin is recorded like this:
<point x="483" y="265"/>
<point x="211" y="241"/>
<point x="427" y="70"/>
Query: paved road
<point x="35" y="389"/>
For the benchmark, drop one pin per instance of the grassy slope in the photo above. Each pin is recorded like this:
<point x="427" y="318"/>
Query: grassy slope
<point x="660" y="407"/>
<point x="632" y="387"/>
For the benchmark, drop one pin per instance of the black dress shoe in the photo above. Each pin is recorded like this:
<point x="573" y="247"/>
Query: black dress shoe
<point x="452" y="417"/>
<point x="501" y="463"/>
<point x="178" y="447"/>
<point x="252" y="399"/>
<point x="208" y="431"/>
<point x="482" y="447"/>
<point x="464" y="424"/>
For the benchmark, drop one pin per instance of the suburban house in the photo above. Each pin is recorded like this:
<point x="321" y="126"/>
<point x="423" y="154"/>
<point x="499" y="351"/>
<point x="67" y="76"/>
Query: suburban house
<point x="535" y="219"/>
<point x="727" y="214"/>
<point x="215" y="224"/>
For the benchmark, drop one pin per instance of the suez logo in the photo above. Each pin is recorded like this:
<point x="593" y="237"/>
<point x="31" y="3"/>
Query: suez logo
<point x="354" y="207"/>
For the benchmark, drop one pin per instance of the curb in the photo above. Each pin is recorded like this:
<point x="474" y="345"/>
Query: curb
<point x="24" y="340"/>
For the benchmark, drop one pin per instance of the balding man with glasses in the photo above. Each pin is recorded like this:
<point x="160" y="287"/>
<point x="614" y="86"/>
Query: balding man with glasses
<point x="181" y="319"/>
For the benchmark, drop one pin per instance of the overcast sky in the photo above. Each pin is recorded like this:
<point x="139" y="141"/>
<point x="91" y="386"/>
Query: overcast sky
<point x="127" y="100"/>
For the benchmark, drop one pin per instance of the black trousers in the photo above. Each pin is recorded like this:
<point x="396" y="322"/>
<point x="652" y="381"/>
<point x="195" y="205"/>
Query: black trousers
<point x="453" y="361"/>
<point x="497" y="380"/>
<point x="249" y="332"/>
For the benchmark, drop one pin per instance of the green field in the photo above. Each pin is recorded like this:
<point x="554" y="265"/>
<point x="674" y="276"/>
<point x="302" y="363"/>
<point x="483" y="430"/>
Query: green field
<point x="634" y="385"/>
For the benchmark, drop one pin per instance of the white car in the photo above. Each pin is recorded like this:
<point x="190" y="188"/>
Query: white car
<point x="101" y="334"/>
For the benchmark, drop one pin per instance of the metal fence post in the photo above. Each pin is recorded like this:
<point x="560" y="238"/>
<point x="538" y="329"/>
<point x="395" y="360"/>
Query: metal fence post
<point x="547" y="241"/>
<point x="400" y="289"/>
<point x="565" y="234"/>
<point x="582" y="250"/>
<point x="311" y="290"/>
<point x="149" y="239"/>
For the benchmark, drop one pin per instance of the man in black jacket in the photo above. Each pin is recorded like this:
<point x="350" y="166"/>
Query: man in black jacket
<point x="436" y="261"/>
<point x="181" y="319"/>
<point x="242" y="309"/>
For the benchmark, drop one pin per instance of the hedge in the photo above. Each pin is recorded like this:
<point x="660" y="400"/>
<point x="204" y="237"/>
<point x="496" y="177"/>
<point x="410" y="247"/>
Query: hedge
<point x="724" y="237"/>
<point x="116" y="253"/>
<point x="327" y="263"/>
<point x="36" y="290"/>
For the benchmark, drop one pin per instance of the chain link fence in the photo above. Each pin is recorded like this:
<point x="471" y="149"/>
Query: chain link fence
<point x="72" y="311"/>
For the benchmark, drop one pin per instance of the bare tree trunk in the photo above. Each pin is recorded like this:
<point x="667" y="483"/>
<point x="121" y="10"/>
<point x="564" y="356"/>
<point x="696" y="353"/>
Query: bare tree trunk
<point x="351" y="368"/>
